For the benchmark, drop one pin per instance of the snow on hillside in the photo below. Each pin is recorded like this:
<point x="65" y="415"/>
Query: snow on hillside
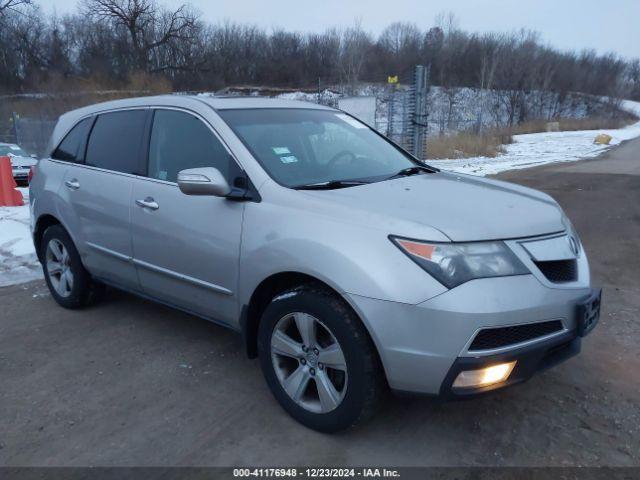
<point x="527" y="150"/>
<point x="536" y="149"/>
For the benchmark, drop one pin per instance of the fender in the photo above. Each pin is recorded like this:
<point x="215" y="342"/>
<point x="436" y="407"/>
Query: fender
<point x="349" y="257"/>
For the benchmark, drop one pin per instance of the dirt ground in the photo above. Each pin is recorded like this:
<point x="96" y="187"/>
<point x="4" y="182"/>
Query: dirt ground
<point x="128" y="382"/>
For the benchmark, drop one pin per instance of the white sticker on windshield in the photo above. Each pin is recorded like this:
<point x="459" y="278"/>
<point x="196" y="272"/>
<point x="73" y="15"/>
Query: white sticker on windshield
<point x="281" y="150"/>
<point x="13" y="147"/>
<point x="350" y="120"/>
<point x="289" y="159"/>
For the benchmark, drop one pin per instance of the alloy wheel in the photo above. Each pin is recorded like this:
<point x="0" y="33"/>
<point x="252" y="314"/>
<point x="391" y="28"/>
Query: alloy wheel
<point x="59" y="267"/>
<point x="309" y="362"/>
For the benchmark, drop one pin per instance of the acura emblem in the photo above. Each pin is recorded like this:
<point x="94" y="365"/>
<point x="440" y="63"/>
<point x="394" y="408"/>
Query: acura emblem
<point x="573" y="245"/>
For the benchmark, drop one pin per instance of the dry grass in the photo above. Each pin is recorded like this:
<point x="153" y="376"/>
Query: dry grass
<point x="490" y="144"/>
<point x="59" y="95"/>
<point x="467" y="144"/>
<point x="572" y="124"/>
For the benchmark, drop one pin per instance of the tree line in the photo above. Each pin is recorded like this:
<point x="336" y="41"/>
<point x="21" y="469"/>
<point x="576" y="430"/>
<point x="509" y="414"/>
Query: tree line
<point x="109" y="42"/>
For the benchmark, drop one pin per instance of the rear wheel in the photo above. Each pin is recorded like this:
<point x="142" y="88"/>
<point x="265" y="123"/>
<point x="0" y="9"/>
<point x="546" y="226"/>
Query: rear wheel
<point x="68" y="281"/>
<point x="318" y="359"/>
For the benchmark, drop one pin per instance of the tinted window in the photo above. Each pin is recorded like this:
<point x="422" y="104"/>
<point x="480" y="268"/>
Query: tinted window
<point x="69" y="148"/>
<point x="180" y="140"/>
<point x="115" y="141"/>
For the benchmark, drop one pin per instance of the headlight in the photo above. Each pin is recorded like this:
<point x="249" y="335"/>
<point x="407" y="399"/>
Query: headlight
<point x="455" y="263"/>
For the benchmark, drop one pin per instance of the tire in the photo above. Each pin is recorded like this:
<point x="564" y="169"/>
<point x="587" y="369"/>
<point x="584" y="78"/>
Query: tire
<point x="359" y="387"/>
<point x="59" y="251"/>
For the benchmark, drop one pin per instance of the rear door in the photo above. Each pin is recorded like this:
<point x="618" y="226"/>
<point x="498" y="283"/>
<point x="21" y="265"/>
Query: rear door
<point x="99" y="191"/>
<point x="186" y="248"/>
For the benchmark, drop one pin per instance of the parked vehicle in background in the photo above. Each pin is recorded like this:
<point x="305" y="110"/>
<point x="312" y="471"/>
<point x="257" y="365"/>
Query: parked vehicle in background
<point x="21" y="161"/>
<point x="348" y="265"/>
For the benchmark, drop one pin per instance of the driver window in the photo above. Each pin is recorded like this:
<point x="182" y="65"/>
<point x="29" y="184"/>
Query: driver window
<point x="180" y="140"/>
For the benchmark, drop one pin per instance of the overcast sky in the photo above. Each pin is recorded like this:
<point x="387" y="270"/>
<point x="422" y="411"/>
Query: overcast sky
<point x="612" y="25"/>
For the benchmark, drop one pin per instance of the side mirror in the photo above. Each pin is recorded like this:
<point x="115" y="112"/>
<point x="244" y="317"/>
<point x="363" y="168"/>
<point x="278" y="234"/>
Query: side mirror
<point x="203" y="181"/>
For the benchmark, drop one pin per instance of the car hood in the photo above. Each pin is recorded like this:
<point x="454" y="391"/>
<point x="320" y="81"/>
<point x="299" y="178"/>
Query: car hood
<point x="462" y="207"/>
<point x="23" y="161"/>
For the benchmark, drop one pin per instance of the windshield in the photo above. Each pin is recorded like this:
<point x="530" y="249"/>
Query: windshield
<point x="14" y="150"/>
<point x="300" y="147"/>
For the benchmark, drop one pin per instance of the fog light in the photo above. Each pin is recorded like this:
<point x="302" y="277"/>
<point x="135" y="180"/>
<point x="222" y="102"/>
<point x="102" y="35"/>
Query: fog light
<point x="485" y="376"/>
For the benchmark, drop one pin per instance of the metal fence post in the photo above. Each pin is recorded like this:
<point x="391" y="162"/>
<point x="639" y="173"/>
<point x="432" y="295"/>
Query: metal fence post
<point x="16" y="118"/>
<point x="417" y="113"/>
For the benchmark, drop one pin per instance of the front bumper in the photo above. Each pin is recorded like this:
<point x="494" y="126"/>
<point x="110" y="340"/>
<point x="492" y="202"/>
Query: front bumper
<point x="530" y="359"/>
<point x="20" y="175"/>
<point x="424" y="346"/>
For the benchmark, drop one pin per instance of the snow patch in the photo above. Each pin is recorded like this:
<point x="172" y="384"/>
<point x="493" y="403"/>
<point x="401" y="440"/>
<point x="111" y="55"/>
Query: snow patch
<point x="18" y="261"/>
<point x="534" y="149"/>
<point x="286" y="295"/>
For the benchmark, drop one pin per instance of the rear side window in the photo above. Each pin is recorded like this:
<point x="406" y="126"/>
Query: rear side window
<point x="180" y="140"/>
<point x="115" y="141"/>
<point x="71" y="148"/>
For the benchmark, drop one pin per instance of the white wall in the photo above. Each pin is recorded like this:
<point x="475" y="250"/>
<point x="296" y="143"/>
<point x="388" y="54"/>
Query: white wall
<point x="363" y="108"/>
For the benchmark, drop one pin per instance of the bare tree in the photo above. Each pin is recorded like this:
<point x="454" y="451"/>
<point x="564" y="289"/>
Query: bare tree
<point x="400" y="45"/>
<point x="353" y="53"/>
<point x="633" y="79"/>
<point x="489" y="60"/>
<point x="149" y="27"/>
<point x="109" y="42"/>
<point x="13" y="5"/>
<point x="322" y="54"/>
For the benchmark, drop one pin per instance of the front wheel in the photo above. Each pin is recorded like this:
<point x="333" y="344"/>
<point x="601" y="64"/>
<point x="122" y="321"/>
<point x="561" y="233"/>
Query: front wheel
<point x="318" y="359"/>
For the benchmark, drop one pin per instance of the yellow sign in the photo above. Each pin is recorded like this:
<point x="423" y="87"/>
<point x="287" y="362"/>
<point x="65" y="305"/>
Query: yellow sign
<point x="393" y="79"/>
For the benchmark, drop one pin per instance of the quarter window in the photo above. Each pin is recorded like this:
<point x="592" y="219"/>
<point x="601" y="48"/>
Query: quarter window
<point x="179" y="141"/>
<point x="70" y="148"/>
<point x="115" y="141"/>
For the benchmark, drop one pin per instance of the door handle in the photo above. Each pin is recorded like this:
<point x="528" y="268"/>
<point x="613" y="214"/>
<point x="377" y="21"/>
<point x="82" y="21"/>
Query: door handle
<point x="73" y="184"/>
<point x="149" y="203"/>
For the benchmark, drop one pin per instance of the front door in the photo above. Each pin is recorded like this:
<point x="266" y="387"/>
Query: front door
<point x="186" y="248"/>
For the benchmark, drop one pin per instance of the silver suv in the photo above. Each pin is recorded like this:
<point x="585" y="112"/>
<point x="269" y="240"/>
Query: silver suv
<point x="348" y="266"/>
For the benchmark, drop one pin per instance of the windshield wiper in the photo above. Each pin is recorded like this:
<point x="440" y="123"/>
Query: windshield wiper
<point x="415" y="170"/>
<point x="330" y="185"/>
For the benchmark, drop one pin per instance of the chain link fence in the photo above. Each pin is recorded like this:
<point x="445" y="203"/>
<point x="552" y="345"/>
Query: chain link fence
<point x="32" y="134"/>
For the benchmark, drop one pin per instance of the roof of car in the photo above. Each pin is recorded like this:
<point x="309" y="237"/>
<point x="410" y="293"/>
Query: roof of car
<point x="67" y="120"/>
<point x="217" y="103"/>
<point x="228" y="103"/>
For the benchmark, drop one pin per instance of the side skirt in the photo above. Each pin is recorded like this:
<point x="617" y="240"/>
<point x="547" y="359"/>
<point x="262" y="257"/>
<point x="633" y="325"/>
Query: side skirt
<point x="140" y="294"/>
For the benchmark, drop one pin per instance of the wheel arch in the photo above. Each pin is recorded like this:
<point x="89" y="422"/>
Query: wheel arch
<point x="44" y="221"/>
<point x="269" y="288"/>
